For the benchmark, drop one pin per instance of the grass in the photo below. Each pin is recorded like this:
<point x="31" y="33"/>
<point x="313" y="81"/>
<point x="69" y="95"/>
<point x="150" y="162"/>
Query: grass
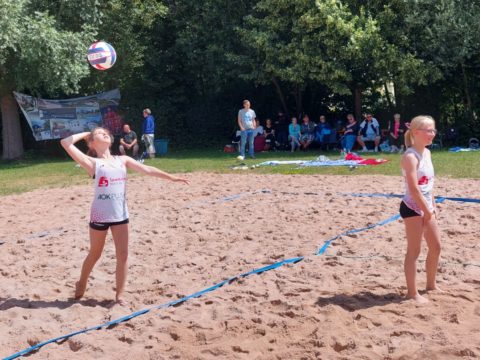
<point x="32" y="172"/>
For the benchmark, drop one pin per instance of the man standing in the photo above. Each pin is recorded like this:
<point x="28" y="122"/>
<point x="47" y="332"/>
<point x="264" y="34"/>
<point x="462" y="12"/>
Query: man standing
<point x="246" y="122"/>
<point x="369" y="131"/>
<point x="148" y="132"/>
<point x="128" y="141"/>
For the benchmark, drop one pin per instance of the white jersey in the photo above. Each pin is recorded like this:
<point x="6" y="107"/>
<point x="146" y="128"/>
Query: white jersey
<point x="425" y="181"/>
<point x="109" y="204"/>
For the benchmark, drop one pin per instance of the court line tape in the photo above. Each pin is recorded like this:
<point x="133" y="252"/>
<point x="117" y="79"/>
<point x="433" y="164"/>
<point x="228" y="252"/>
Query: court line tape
<point x="276" y="265"/>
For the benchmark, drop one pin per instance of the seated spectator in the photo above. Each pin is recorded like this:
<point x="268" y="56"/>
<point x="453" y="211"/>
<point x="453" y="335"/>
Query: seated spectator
<point x="350" y="134"/>
<point x="294" y="134"/>
<point x="128" y="141"/>
<point x="322" y="131"/>
<point x="307" y="129"/>
<point x="281" y="130"/>
<point x="259" y="138"/>
<point x="258" y="128"/>
<point x="369" y="131"/>
<point x="269" y="136"/>
<point x="396" y="129"/>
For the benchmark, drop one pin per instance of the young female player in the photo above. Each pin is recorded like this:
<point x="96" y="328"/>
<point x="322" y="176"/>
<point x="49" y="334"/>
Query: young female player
<point x="109" y="207"/>
<point x="418" y="205"/>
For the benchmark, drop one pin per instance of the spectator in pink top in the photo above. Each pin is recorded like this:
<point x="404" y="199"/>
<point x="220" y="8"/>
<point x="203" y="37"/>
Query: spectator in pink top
<point x="396" y="130"/>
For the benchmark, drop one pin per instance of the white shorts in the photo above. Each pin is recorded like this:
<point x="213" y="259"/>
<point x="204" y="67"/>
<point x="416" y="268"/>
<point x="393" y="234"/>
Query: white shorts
<point x="148" y="139"/>
<point x="370" y="137"/>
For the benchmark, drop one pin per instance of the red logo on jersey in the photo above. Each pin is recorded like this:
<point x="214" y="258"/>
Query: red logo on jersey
<point x="103" y="181"/>
<point x="423" y="180"/>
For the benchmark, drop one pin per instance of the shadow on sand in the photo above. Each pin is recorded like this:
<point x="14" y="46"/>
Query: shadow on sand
<point x="362" y="300"/>
<point x="9" y="303"/>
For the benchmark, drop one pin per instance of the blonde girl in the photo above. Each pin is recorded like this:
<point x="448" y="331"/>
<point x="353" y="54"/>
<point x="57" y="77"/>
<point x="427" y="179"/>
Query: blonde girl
<point x="418" y="205"/>
<point x="109" y="207"/>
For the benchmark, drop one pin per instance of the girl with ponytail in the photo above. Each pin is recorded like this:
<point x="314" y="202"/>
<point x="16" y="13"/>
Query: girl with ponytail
<point x="418" y="205"/>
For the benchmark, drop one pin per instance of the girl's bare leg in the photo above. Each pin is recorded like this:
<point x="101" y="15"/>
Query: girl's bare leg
<point x="97" y="242"/>
<point x="414" y="232"/>
<point x="120" y="237"/>
<point x="432" y="237"/>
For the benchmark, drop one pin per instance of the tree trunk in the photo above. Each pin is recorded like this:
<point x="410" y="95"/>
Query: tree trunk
<point x="280" y="95"/>
<point x="357" y="96"/>
<point x="389" y="98"/>
<point x="298" y="100"/>
<point x="468" y="98"/>
<point x="11" y="131"/>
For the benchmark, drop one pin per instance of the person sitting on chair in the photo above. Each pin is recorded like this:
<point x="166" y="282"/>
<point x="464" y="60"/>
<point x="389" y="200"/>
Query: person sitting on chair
<point x="322" y="131"/>
<point x="396" y="129"/>
<point x="128" y="141"/>
<point x="369" y="131"/>
<point x="307" y="129"/>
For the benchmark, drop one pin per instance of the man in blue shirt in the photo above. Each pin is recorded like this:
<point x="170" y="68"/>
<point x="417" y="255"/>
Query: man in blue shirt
<point x="148" y="132"/>
<point x="246" y="122"/>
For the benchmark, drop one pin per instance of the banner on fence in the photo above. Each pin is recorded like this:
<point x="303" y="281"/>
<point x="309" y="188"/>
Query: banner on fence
<point x="56" y="119"/>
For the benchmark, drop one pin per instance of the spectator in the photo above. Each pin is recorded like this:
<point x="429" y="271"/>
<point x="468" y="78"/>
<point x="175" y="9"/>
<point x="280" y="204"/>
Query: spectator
<point x="350" y="134"/>
<point x="322" y="130"/>
<point x="396" y="130"/>
<point x="269" y="136"/>
<point x="369" y="131"/>
<point x="294" y="134"/>
<point x="246" y="122"/>
<point x="128" y="141"/>
<point x="258" y="128"/>
<point x="259" y="141"/>
<point x="148" y="132"/>
<point x="113" y="123"/>
<point x="281" y="129"/>
<point x="307" y="129"/>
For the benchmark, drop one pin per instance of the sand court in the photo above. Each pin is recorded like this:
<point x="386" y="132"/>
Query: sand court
<point x="346" y="303"/>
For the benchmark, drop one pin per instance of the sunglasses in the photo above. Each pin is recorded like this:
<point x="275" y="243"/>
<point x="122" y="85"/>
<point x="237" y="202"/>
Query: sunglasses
<point x="430" y="131"/>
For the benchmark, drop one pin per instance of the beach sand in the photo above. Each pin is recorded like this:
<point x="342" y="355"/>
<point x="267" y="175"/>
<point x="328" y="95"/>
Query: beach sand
<point x="346" y="304"/>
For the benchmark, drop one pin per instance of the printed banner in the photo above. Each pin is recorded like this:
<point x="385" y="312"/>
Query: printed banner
<point x="56" y="119"/>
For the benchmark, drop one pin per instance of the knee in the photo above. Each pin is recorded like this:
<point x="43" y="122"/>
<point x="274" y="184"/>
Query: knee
<point x="94" y="256"/>
<point x="413" y="253"/>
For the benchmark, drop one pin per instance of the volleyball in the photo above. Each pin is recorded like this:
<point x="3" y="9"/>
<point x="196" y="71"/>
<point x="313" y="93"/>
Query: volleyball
<point x="101" y="55"/>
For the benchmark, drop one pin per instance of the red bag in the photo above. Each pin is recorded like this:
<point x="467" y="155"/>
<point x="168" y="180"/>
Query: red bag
<point x="229" y="149"/>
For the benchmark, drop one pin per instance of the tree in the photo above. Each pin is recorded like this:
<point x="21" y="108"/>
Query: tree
<point x="445" y="33"/>
<point x="339" y="44"/>
<point x="43" y="50"/>
<point x="38" y="51"/>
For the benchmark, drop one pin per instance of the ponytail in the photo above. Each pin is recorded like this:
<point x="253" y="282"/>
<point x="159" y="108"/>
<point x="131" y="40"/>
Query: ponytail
<point x="408" y="138"/>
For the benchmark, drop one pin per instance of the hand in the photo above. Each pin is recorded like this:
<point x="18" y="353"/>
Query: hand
<point x="185" y="181"/>
<point x="427" y="216"/>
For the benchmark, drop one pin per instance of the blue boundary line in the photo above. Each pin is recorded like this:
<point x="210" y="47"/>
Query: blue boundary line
<point x="321" y="251"/>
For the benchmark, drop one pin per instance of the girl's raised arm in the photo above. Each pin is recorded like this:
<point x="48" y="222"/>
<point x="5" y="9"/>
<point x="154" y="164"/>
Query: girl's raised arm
<point x="85" y="161"/>
<point x="151" y="171"/>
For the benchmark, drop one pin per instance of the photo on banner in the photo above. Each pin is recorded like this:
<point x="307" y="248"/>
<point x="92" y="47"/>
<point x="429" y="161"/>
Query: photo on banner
<point x="56" y="119"/>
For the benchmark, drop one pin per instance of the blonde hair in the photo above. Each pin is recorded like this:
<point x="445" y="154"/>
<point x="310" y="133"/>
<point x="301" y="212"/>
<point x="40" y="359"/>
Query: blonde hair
<point x="417" y="122"/>
<point x="91" y="152"/>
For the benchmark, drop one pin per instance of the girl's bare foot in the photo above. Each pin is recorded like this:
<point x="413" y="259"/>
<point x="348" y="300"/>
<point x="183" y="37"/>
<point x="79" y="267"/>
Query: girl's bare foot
<point x="79" y="290"/>
<point x="418" y="298"/>
<point x="121" y="302"/>
<point x="434" y="288"/>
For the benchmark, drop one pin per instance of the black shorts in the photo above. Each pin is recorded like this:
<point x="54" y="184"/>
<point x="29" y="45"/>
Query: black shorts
<point x="104" y="226"/>
<point x="406" y="212"/>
